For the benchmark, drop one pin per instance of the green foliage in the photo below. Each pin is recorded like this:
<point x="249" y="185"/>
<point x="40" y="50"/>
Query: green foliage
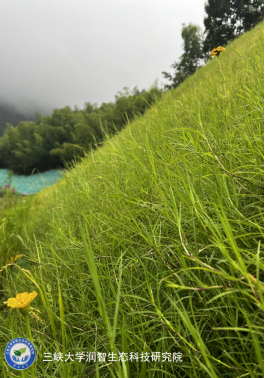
<point x="51" y="141"/>
<point x="190" y="59"/>
<point x="154" y="242"/>
<point x="227" y="19"/>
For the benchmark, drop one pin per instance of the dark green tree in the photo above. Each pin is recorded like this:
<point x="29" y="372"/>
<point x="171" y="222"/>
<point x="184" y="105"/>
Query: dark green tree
<point x="192" y="57"/>
<point x="249" y="12"/>
<point x="38" y="118"/>
<point x="226" y="19"/>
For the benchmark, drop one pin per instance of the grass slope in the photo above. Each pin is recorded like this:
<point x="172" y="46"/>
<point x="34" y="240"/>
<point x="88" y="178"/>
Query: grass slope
<point x="154" y="242"/>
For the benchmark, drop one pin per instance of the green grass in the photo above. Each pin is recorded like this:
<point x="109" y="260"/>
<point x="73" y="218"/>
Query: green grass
<point x="154" y="243"/>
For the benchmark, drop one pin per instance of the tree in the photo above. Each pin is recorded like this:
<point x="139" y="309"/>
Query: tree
<point x="226" y="19"/>
<point x="250" y="12"/>
<point x="192" y="57"/>
<point x="38" y="118"/>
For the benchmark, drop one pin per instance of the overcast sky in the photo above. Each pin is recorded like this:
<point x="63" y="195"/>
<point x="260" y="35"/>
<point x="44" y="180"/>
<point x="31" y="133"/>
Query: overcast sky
<point x="66" y="52"/>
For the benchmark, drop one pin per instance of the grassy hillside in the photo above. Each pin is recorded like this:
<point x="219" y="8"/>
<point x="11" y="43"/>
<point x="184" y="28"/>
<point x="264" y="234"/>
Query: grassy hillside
<point x="154" y="242"/>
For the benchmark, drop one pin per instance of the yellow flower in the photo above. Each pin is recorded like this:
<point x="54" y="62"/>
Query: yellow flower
<point x="14" y="259"/>
<point x="213" y="52"/>
<point x="220" y="49"/>
<point x="217" y="51"/>
<point x="22" y="300"/>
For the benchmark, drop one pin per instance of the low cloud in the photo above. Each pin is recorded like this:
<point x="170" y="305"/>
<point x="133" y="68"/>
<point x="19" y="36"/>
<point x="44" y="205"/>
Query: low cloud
<point x="58" y="53"/>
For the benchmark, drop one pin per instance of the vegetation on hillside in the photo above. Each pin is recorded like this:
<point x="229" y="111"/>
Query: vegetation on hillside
<point x="228" y="19"/>
<point x="154" y="242"/>
<point x="191" y="59"/>
<point x="53" y="140"/>
<point x="225" y="20"/>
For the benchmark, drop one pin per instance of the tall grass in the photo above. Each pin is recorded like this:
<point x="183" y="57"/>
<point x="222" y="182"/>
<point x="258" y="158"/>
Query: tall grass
<point x="154" y="243"/>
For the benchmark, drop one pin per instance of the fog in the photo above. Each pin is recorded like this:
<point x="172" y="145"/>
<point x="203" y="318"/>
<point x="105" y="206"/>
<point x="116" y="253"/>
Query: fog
<point x="67" y="52"/>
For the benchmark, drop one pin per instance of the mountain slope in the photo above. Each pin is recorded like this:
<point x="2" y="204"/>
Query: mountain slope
<point x="9" y="114"/>
<point x="154" y="242"/>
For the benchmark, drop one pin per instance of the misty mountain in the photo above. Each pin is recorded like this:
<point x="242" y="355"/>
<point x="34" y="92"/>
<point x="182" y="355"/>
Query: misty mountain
<point x="8" y="113"/>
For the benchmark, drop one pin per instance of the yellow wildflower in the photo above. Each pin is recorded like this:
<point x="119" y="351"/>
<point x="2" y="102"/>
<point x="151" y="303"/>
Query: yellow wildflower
<point x="22" y="300"/>
<point x="220" y="49"/>
<point x="217" y="51"/>
<point x="213" y="52"/>
<point x="14" y="259"/>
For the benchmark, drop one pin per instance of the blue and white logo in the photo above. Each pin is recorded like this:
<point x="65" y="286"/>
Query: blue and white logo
<point x="20" y="354"/>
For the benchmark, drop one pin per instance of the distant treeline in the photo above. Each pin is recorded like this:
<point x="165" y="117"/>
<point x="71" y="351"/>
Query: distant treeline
<point x="52" y="140"/>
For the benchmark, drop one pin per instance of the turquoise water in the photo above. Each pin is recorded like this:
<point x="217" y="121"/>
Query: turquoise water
<point x="30" y="184"/>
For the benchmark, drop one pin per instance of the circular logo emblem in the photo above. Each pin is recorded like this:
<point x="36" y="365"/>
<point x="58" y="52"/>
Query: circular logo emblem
<point x="20" y="354"/>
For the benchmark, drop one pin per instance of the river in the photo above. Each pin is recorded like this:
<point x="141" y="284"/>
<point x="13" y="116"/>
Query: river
<point x="30" y="184"/>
